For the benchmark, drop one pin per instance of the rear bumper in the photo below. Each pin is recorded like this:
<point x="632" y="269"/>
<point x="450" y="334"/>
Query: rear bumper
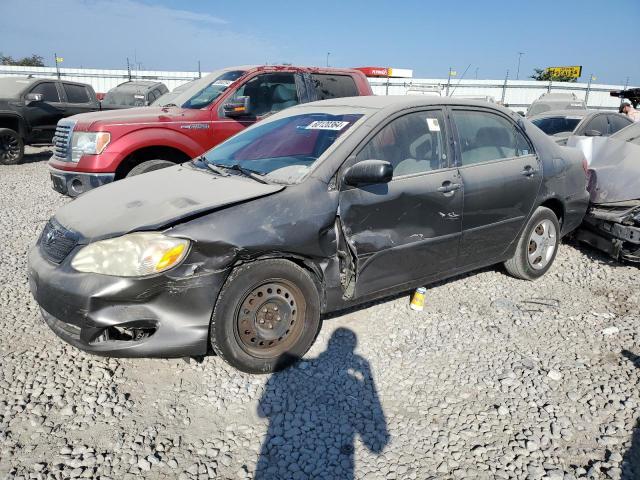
<point x="74" y="183"/>
<point x="575" y="209"/>
<point x="159" y="316"/>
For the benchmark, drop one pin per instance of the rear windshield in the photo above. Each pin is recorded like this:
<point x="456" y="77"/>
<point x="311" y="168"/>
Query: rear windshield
<point x="13" y="87"/>
<point x="283" y="151"/>
<point x="124" y="98"/>
<point x="556" y="125"/>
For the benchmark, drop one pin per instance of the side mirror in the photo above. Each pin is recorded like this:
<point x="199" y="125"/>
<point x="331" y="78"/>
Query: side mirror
<point x="593" y="133"/>
<point x="33" y="97"/>
<point x="368" y="172"/>
<point x="238" y="107"/>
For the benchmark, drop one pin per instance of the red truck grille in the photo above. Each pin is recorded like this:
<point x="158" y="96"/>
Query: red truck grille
<point x="62" y="140"/>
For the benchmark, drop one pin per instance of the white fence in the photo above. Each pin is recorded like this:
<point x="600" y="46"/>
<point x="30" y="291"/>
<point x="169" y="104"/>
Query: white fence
<point x="517" y="94"/>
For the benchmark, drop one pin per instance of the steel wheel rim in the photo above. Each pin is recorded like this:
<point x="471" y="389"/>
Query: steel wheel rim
<point x="269" y="319"/>
<point x="9" y="147"/>
<point x="542" y="244"/>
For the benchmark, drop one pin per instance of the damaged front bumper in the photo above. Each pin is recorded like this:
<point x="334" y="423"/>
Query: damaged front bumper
<point x="165" y="315"/>
<point x="614" y="229"/>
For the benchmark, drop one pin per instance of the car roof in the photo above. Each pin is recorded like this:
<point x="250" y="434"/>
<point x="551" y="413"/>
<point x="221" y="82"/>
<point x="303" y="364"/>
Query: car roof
<point x="380" y="102"/>
<point x="137" y="85"/>
<point x="563" y="113"/>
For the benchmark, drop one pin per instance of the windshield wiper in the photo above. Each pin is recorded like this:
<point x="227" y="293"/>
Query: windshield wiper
<point x="246" y="172"/>
<point x="214" y="168"/>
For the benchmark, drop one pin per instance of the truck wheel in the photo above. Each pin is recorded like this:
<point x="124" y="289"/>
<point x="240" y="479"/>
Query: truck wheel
<point x="149" y="166"/>
<point x="11" y="147"/>
<point x="267" y="316"/>
<point x="537" y="246"/>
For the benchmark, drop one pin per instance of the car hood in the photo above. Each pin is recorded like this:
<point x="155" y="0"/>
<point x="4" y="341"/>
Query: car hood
<point x="155" y="200"/>
<point x="614" y="168"/>
<point x="134" y="116"/>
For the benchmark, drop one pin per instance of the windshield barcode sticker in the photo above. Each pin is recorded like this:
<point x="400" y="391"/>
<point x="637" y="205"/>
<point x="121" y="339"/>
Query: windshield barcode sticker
<point x="224" y="83"/>
<point x="326" y="125"/>
<point x="433" y="125"/>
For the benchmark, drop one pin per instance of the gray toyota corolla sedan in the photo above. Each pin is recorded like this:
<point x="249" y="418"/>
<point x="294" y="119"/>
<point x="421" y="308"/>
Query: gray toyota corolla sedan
<point x="317" y="208"/>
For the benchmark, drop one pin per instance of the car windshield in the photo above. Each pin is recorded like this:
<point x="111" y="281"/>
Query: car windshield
<point x="284" y="150"/>
<point x="205" y="90"/>
<point x="13" y="87"/>
<point x="629" y="134"/>
<point x="556" y="125"/>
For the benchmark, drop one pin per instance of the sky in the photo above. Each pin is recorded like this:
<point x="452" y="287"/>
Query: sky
<point x="483" y="37"/>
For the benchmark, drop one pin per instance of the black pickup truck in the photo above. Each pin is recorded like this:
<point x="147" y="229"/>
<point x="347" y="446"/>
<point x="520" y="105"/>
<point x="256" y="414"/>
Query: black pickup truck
<point x="31" y="107"/>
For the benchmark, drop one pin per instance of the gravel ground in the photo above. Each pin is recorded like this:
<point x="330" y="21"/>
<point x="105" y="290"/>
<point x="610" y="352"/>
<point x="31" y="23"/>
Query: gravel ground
<point x="497" y="378"/>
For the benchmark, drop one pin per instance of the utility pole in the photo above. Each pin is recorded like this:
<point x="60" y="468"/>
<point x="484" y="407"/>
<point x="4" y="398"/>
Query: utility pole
<point x="328" y="53"/>
<point x="452" y="73"/>
<point x="586" y="96"/>
<point x="477" y="73"/>
<point x="387" y="89"/>
<point x="128" y="69"/>
<point x="55" y="57"/>
<point x="504" y="87"/>
<point x="199" y="72"/>
<point x="518" y="71"/>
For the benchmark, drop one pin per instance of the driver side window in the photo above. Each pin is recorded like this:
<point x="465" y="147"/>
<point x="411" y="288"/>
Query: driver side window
<point x="48" y="91"/>
<point x="269" y="93"/>
<point x="414" y="143"/>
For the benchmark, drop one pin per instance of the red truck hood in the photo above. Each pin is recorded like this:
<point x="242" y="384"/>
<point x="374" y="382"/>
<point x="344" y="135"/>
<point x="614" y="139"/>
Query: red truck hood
<point x="134" y="116"/>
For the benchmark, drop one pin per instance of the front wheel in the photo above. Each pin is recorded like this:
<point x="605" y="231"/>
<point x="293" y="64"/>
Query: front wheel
<point x="11" y="147"/>
<point x="267" y="316"/>
<point x="149" y="166"/>
<point x="537" y="246"/>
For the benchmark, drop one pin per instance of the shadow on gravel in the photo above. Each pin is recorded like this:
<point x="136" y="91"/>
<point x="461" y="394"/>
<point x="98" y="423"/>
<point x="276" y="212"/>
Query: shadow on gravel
<point x="594" y="254"/>
<point x="631" y="459"/>
<point x="39" y="156"/>
<point x="315" y="410"/>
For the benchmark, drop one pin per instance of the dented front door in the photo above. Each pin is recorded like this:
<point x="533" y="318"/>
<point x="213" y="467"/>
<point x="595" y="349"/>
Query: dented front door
<point x="410" y="228"/>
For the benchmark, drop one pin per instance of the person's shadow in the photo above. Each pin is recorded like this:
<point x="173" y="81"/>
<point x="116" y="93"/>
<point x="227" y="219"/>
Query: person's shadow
<point x="631" y="459"/>
<point x="315" y="411"/>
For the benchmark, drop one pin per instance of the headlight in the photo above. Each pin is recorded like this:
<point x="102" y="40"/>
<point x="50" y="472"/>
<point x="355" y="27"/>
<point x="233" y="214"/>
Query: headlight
<point x="132" y="255"/>
<point x="92" y="143"/>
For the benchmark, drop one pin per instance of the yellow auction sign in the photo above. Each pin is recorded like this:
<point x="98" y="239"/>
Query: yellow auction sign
<point x="567" y="72"/>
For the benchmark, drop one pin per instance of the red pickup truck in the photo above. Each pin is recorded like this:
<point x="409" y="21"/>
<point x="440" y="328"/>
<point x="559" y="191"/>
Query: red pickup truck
<point x="97" y="148"/>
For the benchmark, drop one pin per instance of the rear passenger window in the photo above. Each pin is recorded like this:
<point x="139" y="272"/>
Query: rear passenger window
<point x="334" y="86"/>
<point x="485" y="137"/>
<point x="413" y="143"/>
<point x="76" y="93"/>
<point x="48" y="91"/>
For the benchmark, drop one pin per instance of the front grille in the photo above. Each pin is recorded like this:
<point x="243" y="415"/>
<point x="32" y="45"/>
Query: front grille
<point x="62" y="140"/>
<point x="57" y="242"/>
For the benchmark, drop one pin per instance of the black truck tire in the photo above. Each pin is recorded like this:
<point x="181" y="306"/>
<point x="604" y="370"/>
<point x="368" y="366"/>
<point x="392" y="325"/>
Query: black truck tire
<point x="149" y="166"/>
<point x="11" y="147"/>
<point x="267" y="316"/>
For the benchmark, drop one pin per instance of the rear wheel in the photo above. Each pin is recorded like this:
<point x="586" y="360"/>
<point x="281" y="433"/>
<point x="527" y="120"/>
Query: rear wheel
<point x="537" y="246"/>
<point x="11" y="147"/>
<point x="267" y="316"/>
<point x="149" y="166"/>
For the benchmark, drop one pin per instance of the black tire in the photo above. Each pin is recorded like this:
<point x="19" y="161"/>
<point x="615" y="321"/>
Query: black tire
<point x="149" y="166"/>
<point x="11" y="147"/>
<point x="539" y="226"/>
<point x="244" y="330"/>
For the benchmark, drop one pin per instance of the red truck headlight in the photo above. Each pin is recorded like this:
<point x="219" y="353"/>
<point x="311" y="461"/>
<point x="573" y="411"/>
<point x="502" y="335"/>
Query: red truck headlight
<point x="88" y="143"/>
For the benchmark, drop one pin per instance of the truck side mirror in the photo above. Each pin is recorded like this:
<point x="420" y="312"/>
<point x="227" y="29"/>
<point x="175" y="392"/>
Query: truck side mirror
<point x="238" y="107"/>
<point x="32" y="98"/>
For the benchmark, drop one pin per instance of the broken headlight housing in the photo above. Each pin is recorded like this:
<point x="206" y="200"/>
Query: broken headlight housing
<point x="132" y="255"/>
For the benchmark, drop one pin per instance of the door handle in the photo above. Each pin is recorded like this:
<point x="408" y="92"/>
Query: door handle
<point x="448" y="187"/>
<point x="529" y="171"/>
